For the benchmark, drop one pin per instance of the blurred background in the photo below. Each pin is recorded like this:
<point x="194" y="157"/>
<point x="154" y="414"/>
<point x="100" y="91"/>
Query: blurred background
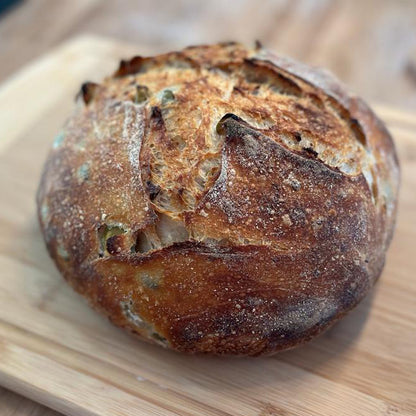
<point x="369" y="44"/>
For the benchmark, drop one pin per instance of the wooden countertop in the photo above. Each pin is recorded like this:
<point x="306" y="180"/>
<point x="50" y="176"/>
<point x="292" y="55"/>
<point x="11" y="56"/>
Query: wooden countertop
<point x="373" y="50"/>
<point x="370" y="45"/>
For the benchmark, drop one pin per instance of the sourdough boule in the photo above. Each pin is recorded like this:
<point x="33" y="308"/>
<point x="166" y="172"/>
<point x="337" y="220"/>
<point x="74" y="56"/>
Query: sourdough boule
<point x="220" y="199"/>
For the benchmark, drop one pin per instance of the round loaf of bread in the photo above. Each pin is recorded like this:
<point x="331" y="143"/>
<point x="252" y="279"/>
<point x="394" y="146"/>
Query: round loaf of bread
<point x="220" y="199"/>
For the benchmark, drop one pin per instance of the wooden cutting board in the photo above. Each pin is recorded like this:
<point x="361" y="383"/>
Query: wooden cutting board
<point x="57" y="351"/>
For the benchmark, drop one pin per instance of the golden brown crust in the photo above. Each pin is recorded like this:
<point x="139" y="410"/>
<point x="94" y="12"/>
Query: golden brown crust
<point x="220" y="199"/>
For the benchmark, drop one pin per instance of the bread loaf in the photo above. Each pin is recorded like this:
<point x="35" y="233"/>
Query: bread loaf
<point x="220" y="199"/>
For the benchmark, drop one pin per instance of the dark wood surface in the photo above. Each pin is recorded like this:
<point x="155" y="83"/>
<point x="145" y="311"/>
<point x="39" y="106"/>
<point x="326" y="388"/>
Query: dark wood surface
<point x="369" y="44"/>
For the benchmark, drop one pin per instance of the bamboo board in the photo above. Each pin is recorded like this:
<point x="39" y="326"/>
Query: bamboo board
<point x="55" y="350"/>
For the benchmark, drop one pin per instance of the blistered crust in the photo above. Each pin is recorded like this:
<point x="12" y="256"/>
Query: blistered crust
<point x="220" y="200"/>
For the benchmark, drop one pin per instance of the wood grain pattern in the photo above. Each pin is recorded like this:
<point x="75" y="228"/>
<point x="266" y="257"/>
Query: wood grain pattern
<point x="54" y="349"/>
<point x="12" y="404"/>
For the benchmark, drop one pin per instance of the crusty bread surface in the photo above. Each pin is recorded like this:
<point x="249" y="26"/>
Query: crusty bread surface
<point x="220" y="199"/>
